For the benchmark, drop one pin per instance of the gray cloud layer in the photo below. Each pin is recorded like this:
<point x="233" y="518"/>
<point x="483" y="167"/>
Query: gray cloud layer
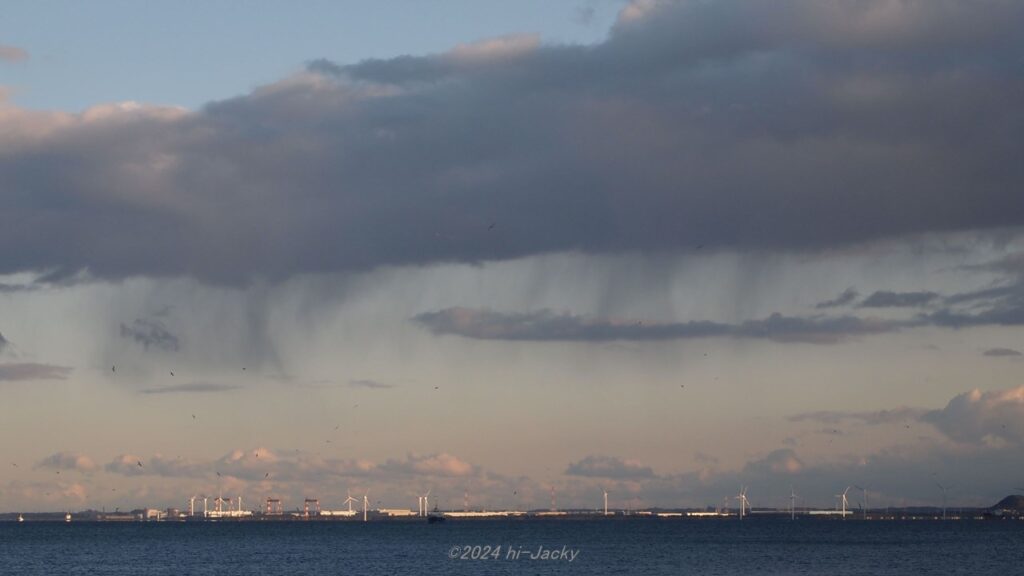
<point x="844" y="299"/>
<point x="790" y="124"/>
<point x="67" y="461"/>
<point x="150" y="332"/>
<point x="545" y="325"/>
<point x="608" y="467"/>
<point x="887" y="299"/>
<point x="977" y="416"/>
<point x="1000" y="305"/>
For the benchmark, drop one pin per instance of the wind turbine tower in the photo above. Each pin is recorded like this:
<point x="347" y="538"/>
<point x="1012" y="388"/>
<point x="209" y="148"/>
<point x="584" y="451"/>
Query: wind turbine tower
<point x="844" y="500"/>
<point x="792" y="503"/>
<point x="943" y="488"/>
<point x="425" y="503"/>
<point x="605" y="501"/>
<point x="865" y="504"/>
<point x="744" y="503"/>
<point x="366" y="504"/>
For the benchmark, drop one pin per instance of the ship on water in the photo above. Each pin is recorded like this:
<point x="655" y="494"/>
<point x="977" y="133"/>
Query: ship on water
<point x="435" y="516"/>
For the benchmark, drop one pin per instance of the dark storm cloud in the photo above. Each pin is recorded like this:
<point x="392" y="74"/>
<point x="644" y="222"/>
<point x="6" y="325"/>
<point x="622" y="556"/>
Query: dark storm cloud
<point x="150" y="332"/>
<point x="33" y="371"/>
<point x="847" y="297"/>
<point x="887" y="299"/>
<point x="608" y="467"/>
<point x="998" y="352"/>
<point x="795" y="124"/>
<point x="545" y="325"/>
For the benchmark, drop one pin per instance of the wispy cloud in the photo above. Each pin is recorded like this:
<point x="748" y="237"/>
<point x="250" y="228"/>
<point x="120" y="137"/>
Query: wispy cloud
<point x="12" y="53"/>
<point x="895" y="415"/>
<point x="369" y="384"/>
<point x="190" y="388"/>
<point x="33" y="371"/>
<point x="1001" y="352"/>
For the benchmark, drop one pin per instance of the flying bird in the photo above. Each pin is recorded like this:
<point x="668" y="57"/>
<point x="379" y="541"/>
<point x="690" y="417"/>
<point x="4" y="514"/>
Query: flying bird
<point x="491" y="227"/>
<point x="113" y="368"/>
<point x="193" y="416"/>
<point x="267" y="475"/>
<point x="172" y="372"/>
<point x="139" y="462"/>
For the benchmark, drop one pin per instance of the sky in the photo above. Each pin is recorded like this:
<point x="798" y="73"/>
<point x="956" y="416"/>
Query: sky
<point x="501" y="251"/>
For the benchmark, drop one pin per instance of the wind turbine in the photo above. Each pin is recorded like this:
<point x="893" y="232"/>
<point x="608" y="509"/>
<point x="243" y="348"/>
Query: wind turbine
<point x="605" y="501"/>
<point x="792" y="503"/>
<point x="943" y="488"/>
<point x="424" y="503"/>
<point x="366" y="503"/>
<point x="349" y="500"/>
<point x="844" y="501"/>
<point x="865" y="503"/>
<point x="742" y="497"/>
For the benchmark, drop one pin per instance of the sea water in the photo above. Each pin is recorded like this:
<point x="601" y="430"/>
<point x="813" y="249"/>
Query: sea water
<point x="533" y="546"/>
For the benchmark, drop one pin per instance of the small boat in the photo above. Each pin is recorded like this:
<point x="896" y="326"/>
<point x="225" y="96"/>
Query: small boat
<point x="435" y="516"/>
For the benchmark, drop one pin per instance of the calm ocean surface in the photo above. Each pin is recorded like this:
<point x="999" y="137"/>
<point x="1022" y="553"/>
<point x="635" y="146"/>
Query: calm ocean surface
<point x="622" y="546"/>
